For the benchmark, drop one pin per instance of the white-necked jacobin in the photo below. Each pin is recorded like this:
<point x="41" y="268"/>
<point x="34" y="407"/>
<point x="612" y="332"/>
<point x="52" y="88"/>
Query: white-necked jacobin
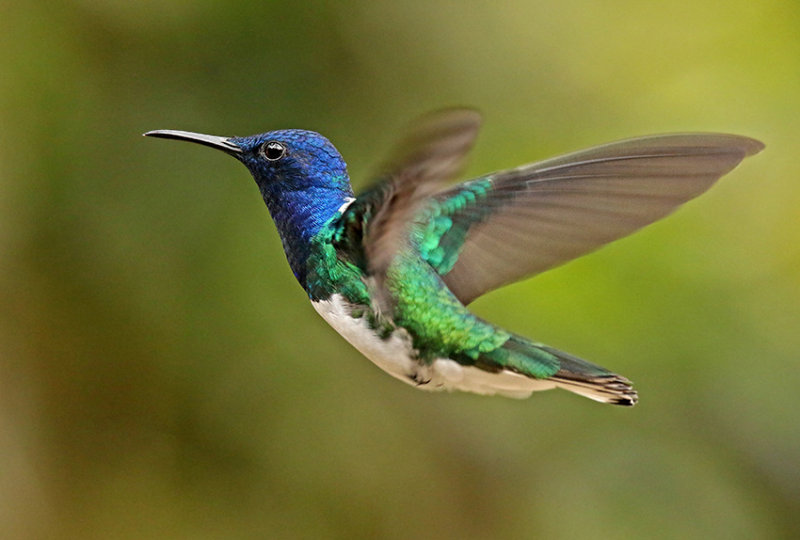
<point x="393" y="269"/>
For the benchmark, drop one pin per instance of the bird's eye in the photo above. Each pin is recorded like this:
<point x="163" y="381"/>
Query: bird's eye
<point x="273" y="150"/>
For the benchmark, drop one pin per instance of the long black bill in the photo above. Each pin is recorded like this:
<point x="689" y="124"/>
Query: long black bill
<point x="220" y="143"/>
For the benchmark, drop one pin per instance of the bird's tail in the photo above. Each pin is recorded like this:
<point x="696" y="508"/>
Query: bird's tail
<point x="573" y="374"/>
<point x="588" y="380"/>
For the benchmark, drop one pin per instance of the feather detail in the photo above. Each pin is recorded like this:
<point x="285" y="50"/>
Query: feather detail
<point x="512" y="224"/>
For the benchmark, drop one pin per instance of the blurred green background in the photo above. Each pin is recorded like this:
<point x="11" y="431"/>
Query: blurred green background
<point x="163" y="376"/>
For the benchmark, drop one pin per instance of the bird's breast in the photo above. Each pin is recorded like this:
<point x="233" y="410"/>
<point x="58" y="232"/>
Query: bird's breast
<point x="393" y="354"/>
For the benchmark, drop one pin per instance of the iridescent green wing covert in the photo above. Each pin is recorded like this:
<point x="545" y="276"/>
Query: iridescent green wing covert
<point x="512" y="224"/>
<point x="375" y="226"/>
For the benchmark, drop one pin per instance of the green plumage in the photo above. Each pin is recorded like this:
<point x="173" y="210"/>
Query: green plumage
<point x="440" y="242"/>
<point x="442" y="327"/>
<point x="440" y="324"/>
<point x="328" y="272"/>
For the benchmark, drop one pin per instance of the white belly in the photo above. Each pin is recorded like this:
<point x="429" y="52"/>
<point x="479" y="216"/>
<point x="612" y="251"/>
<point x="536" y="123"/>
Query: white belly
<point x="395" y="355"/>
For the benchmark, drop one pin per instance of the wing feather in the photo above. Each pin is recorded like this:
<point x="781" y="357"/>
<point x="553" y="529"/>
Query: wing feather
<point x="376" y="225"/>
<point x="521" y="222"/>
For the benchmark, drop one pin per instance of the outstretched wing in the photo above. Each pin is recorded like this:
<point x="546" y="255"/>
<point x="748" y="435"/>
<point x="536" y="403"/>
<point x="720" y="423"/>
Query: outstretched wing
<point x="511" y="224"/>
<point x="431" y="154"/>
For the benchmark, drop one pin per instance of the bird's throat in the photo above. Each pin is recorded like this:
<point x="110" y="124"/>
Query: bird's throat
<point x="299" y="217"/>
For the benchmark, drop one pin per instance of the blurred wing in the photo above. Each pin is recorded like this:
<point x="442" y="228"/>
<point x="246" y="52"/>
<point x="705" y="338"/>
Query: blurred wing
<point x="431" y="154"/>
<point x="511" y="224"/>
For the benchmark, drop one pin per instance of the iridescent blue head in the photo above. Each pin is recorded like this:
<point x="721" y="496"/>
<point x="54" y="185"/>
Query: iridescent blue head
<point x="301" y="176"/>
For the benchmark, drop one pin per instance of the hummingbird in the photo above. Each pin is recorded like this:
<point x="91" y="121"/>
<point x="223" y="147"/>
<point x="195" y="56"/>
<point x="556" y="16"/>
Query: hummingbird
<point x="393" y="269"/>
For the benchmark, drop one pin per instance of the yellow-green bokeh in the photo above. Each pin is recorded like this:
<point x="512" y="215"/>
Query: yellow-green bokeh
<point x="162" y="375"/>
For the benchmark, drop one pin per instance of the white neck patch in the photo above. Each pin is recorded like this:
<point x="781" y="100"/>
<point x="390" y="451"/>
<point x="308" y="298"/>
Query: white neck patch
<point x="347" y="202"/>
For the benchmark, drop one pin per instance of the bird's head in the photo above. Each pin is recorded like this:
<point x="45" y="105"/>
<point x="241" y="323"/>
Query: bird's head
<point x="301" y="176"/>
<point x="282" y="161"/>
